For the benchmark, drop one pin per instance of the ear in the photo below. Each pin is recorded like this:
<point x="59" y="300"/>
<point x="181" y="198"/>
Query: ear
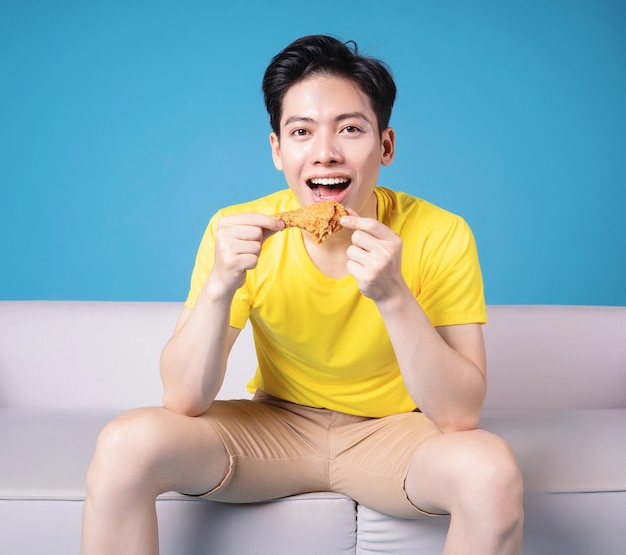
<point x="275" y="144"/>
<point x="388" y="146"/>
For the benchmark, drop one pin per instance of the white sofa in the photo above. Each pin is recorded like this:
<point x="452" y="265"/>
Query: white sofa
<point x="557" y="393"/>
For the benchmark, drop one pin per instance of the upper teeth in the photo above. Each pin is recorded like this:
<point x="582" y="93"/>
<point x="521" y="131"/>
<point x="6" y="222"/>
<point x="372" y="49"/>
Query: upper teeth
<point x="329" y="180"/>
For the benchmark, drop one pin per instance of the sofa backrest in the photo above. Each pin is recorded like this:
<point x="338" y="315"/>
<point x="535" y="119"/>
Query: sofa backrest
<point x="69" y="354"/>
<point x="555" y="357"/>
<point x="75" y="354"/>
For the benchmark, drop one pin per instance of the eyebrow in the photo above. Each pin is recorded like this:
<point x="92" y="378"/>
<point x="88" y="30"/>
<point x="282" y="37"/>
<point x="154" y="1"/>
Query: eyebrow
<point x="340" y="117"/>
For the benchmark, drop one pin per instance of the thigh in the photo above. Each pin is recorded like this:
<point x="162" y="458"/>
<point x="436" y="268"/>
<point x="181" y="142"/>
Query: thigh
<point x="459" y="470"/>
<point x="370" y="460"/>
<point x="160" y="450"/>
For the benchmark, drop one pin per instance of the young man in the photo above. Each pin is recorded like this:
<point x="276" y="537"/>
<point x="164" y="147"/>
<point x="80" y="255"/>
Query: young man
<point x="371" y="355"/>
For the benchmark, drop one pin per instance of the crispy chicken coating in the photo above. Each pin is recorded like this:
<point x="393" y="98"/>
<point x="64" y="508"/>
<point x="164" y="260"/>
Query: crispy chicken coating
<point x="320" y="218"/>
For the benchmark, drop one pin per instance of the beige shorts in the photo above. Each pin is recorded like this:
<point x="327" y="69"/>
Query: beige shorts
<point x="278" y="448"/>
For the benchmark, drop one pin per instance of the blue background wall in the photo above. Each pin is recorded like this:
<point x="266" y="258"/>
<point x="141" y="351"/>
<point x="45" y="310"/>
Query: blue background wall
<point x="125" y="125"/>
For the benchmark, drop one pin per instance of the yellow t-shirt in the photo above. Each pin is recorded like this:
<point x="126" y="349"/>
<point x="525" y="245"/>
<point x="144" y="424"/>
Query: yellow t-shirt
<point x="319" y="341"/>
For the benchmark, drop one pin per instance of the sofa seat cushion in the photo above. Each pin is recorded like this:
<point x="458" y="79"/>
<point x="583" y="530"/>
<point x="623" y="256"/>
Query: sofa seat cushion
<point x="45" y="455"/>
<point x="566" y="451"/>
<point x="307" y="524"/>
<point x="46" y="452"/>
<point x="380" y="533"/>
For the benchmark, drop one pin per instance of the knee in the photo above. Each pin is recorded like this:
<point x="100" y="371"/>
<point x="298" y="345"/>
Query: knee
<point x="497" y="483"/>
<point x="126" y="449"/>
<point x="495" y="465"/>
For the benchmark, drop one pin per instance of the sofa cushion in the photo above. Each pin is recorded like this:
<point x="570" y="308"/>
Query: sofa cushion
<point x="554" y="524"/>
<point x="380" y="533"/>
<point x="308" y="524"/>
<point x="548" y="357"/>
<point x="96" y="355"/>
<point x="82" y="354"/>
<point x="45" y="455"/>
<point x="570" y="451"/>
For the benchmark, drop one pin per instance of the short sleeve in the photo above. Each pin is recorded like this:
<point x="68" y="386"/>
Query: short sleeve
<point x="204" y="262"/>
<point x="451" y="290"/>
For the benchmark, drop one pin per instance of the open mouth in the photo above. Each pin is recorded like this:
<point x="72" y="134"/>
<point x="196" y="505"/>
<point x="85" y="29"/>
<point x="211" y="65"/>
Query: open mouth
<point x="328" y="187"/>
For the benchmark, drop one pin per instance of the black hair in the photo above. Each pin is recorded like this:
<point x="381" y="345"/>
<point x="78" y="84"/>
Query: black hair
<point x="321" y="54"/>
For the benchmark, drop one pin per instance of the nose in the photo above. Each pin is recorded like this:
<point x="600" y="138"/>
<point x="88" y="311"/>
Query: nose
<point x="325" y="149"/>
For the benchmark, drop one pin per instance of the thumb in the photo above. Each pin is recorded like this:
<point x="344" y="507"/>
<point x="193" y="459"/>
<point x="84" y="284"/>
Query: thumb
<point x="277" y="226"/>
<point x="350" y="220"/>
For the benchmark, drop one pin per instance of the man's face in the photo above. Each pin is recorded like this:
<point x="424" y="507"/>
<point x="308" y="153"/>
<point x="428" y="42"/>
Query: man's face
<point x="330" y="146"/>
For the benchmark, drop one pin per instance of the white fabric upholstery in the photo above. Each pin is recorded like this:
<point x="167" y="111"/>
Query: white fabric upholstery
<point x="557" y="393"/>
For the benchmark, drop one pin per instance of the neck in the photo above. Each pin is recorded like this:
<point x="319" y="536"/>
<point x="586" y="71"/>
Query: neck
<point x="370" y="209"/>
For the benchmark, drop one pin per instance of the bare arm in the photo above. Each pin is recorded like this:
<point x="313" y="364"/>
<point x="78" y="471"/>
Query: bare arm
<point x="193" y="362"/>
<point x="444" y="369"/>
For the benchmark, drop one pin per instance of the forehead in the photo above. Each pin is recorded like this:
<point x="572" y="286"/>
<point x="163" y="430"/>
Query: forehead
<point x="320" y="96"/>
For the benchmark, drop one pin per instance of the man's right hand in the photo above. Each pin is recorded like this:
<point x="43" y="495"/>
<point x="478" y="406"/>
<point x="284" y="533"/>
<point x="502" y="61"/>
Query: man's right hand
<point x="238" y="242"/>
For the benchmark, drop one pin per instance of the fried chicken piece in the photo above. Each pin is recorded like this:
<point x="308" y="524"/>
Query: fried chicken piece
<point x="320" y="218"/>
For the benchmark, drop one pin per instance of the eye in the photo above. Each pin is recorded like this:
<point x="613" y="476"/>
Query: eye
<point x="300" y="132"/>
<point x="351" y="129"/>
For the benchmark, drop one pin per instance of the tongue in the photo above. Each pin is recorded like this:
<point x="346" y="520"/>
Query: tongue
<point x="326" y="191"/>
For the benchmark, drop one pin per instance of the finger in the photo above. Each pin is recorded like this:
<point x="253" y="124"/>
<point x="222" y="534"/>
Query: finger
<point x="245" y="246"/>
<point x="365" y="241"/>
<point x="358" y="255"/>
<point x="368" y="225"/>
<point x="269" y="232"/>
<point x="268" y="224"/>
<point x="249" y="226"/>
<point x="255" y="219"/>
